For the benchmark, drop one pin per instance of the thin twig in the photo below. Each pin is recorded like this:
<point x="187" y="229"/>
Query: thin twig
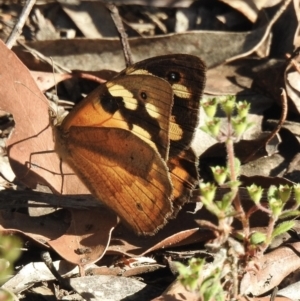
<point x="19" y="25"/>
<point x="121" y="30"/>
<point x="49" y="263"/>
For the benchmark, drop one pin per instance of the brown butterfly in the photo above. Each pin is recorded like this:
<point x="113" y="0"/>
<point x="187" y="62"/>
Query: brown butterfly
<point x="129" y="140"/>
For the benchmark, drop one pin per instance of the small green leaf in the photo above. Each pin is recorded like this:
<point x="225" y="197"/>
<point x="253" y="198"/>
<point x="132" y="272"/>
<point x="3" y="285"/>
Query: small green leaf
<point x="226" y="201"/>
<point x="297" y="193"/>
<point x="289" y="214"/>
<point x="282" y="228"/>
<point x="10" y="247"/>
<point x="257" y="238"/>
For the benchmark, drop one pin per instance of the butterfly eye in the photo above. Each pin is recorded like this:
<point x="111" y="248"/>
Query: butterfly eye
<point x="173" y="77"/>
<point x="144" y="95"/>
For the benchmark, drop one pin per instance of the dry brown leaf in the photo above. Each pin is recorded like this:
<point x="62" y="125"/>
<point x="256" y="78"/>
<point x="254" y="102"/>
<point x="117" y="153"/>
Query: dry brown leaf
<point x="87" y="238"/>
<point x="180" y="231"/>
<point x="47" y="80"/>
<point x="264" y="182"/>
<point x="40" y="229"/>
<point x="31" y="147"/>
<point x="273" y="268"/>
<point x="107" y="53"/>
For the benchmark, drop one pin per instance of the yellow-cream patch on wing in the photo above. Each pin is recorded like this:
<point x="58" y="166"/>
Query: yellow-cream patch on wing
<point x="144" y="135"/>
<point x="131" y="71"/>
<point x="152" y="110"/>
<point x="119" y="91"/>
<point x="176" y="132"/>
<point x="181" y="91"/>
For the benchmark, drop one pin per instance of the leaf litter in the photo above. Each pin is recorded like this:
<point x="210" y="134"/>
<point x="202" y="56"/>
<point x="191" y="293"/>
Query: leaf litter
<point x="244" y="42"/>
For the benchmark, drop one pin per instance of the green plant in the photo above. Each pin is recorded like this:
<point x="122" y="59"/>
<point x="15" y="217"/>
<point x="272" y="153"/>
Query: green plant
<point x="10" y="249"/>
<point x="210" y="288"/>
<point x="237" y="251"/>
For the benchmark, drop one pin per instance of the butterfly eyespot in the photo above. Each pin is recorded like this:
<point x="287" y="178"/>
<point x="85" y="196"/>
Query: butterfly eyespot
<point x="173" y="77"/>
<point x="144" y="95"/>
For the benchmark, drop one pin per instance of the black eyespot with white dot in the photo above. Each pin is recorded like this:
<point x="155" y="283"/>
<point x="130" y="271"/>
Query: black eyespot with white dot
<point x="143" y="95"/>
<point x="173" y="77"/>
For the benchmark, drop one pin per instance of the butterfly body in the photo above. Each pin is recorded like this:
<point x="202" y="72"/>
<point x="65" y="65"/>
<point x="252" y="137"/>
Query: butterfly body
<point x="124" y="143"/>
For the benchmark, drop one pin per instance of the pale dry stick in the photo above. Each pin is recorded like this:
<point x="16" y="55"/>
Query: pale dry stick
<point x="124" y="38"/>
<point x="20" y="23"/>
<point x="45" y="255"/>
<point x="274" y="294"/>
<point x="282" y="119"/>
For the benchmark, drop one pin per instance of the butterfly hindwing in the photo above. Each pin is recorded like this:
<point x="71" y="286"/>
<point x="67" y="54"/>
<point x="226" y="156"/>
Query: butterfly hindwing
<point x="184" y="176"/>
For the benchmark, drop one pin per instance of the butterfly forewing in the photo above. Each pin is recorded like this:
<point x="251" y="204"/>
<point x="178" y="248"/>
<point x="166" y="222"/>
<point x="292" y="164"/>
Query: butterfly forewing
<point x="117" y="141"/>
<point x="140" y="104"/>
